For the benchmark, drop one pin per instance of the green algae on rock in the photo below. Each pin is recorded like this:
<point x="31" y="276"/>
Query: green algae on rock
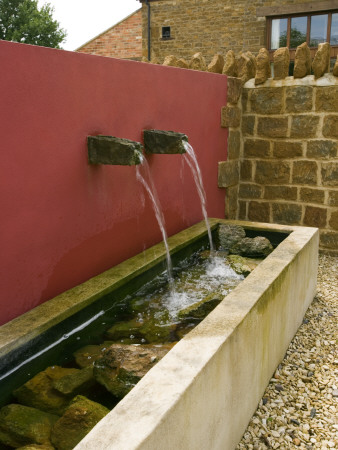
<point x="40" y="393"/>
<point x="78" y="419"/>
<point x="21" y="425"/>
<point x="122" y="366"/>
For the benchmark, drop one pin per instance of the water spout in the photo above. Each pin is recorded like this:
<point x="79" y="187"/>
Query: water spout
<point x="164" y="142"/>
<point x="114" y="151"/>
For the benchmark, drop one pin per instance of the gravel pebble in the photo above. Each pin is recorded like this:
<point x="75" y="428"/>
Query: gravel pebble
<point x="303" y="414"/>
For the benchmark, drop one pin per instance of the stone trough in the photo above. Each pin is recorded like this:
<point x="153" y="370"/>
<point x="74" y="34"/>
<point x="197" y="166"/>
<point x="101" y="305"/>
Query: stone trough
<point x="202" y="394"/>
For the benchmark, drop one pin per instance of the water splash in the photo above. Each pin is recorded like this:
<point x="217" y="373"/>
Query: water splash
<point x="191" y="159"/>
<point x="148" y="184"/>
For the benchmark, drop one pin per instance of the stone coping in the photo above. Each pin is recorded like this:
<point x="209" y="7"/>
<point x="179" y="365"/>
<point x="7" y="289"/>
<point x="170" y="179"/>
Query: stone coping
<point x="327" y="79"/>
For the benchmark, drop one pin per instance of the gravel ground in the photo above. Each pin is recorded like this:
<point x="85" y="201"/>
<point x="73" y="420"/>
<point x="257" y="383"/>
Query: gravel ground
<point x="299" y="408"/>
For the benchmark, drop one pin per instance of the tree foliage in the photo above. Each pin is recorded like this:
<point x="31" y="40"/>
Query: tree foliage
<point x="22" y="21"/>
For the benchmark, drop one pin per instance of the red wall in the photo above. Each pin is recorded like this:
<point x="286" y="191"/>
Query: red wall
<point x="64" y="221"/>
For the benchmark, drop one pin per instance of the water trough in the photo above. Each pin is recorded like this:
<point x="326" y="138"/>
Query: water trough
<point x="204" y="391"/>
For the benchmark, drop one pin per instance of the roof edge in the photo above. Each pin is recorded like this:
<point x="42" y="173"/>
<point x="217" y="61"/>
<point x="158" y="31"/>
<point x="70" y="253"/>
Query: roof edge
<point x="108" y="29"/>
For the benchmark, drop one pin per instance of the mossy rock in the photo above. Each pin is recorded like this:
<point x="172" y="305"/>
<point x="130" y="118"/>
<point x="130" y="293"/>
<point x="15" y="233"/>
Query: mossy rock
<point x="75" y="383"/>
<point x="149" y="331"/>
<point x="252" y="247"/>
<point x="202" y="308"/>
<point x="242" y="265"/>
<point x="87" y="355"/>
<point x="22" y="425"/>
<point x="40" y="393"/>
<point x="122" y="366"/>
<point x="37" y="447"/>
<point x="78" y="419"/>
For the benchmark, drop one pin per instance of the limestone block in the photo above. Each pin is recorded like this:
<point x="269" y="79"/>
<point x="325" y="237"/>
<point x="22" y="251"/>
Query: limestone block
<point x="304" y="126"/>
<point x="248" y="125"/>
<point x="242" y="207"/>
<point x="250" y="191"/>
<point x="170" y="60"/>
<point x="259" y="211"/>
<point x="228" y="173"/>
<point x="315" y="217"/>
<point x="322" y="149"/>
<point x="329" y="239"/>
<point x="285" y="149"/>
<point x="280" y="193"/>
<point x="267" y="100"/>
<point x="305" y="172"/>
<point x="330" y="174"/>
<point x="234" y="144"/>
<point x="321" y="61"/>
<point x="234" y="89"/>
<point x="330" y="127"/>
<point x="230" y="64"/>
<point x="246" y="64"/>
<point x="335" y="68"/>
<point x="231" y="202"/>
<point x="327" y="99"/>
<point x="256" y="148"/>
<point x="231" y="116"/>
<point x="263" y="71"/>
<point x="302" y="66"/>
<point x="311" y="195"/>
<point x="281" y="60"/>
<point x="298" y="99"/>
<point x="182" y="63"/>
<point x="246" y="171"/>
<point x="334" y="220"/>
<point x="197" y="62"/>
<point x="333" y="198"/>
<point x="273" y="126"/>
<point x="216" y="65"/>
<point x="272" y="172"/>
<point x="286" y="213"/>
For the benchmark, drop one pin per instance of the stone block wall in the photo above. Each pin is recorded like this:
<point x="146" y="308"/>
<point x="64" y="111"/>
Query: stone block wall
<point x="289" y="154"/>
<point x="208" y="26"/>
<point x="123" y="40"/>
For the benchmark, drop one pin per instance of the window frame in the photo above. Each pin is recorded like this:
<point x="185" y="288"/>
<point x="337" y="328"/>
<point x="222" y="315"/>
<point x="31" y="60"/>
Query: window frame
<point x="334" y="48"/>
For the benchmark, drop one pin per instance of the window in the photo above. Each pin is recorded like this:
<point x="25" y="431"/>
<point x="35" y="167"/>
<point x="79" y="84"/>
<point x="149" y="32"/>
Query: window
<point x="166" y="33"/>
<point x="293" y="30"/>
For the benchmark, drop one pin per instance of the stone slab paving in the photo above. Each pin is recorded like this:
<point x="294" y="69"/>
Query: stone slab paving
<point x="299" y="408"/>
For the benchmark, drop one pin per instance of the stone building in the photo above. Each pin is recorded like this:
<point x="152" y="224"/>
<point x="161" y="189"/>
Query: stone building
<point x="184" y="27"/>
<point x="123" y="40"/>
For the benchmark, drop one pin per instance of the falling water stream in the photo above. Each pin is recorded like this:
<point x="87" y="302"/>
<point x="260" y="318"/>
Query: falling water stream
<point x="149" y="186"/>
<point x="191" y="159"/>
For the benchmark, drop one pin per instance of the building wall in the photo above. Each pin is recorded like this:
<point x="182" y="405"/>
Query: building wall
<point x="64" y="220"/>
<point x="283" y="155"/>
<point x="208" y="26"/>
<point x="123" y="40"/>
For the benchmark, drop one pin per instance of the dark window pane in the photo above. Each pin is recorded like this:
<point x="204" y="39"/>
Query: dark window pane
<point x="298" y="31"/>
<point x="318" y="33"/>
<point x="334" y="30"/>
<point x="278" y="33"/>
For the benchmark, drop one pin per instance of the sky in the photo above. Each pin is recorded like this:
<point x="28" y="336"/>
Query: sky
<point x="85" y="19"/>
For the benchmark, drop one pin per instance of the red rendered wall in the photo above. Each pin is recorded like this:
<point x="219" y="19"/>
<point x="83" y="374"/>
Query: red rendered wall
<point x="64" y="221"/>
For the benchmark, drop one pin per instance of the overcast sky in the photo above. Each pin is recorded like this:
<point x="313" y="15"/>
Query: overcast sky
<point x="85" y="19"/>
